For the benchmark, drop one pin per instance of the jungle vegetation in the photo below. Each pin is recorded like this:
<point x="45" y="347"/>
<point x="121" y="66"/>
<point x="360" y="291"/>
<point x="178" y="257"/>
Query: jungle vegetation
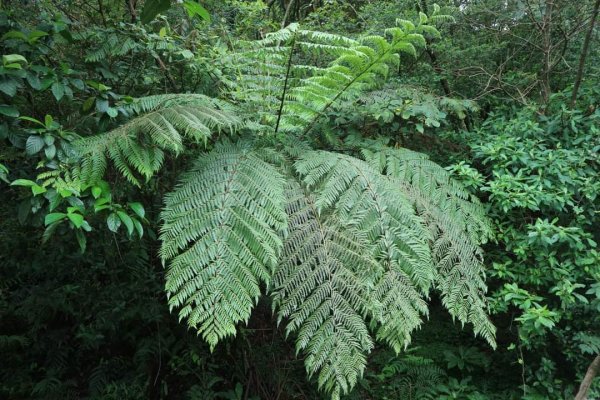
<point x="296" y="199"/>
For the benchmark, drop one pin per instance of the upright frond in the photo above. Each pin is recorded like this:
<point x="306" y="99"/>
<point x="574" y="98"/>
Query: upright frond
<point x="221" y="238"/>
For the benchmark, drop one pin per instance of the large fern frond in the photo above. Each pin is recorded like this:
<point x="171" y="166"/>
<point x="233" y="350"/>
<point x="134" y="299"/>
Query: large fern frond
<point x="318" y="287"/>
<point x="221" y="236"/>
<point x="458" y="225"/>
<point x="364" y="199"/>
<point x="278" y="91"/>
<point x="137" y="148"/>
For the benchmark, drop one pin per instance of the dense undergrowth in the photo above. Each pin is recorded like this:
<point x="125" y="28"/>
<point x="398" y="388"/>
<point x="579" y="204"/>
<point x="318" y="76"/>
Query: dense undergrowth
<point x="380" y="200"/>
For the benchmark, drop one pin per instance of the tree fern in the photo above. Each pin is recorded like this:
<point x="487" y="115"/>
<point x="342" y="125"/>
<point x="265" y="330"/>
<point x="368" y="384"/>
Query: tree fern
<point x="349" y="249"/>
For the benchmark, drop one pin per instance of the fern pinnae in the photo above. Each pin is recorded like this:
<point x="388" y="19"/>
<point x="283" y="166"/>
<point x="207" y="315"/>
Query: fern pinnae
<point x="221" y="236"/>
<point x="317" y="289"/>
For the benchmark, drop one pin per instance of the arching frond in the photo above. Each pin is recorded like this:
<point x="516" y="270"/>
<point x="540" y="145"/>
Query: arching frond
<point x="220" y="236"/>
<point x="137" y="148"/>
<point x="365" y="200"/>
<point x="318" y="288"/>
<point x="457" y="224"/>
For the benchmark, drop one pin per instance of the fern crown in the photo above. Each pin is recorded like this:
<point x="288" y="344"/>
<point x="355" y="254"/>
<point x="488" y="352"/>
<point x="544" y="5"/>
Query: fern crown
<point x="348" y="245"/>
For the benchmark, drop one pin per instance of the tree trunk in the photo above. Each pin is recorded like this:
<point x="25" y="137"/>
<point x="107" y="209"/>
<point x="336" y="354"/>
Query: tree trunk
<point x="584" y="51"/>
<point x="287" y="13"/>
<point x="592" y="371"/>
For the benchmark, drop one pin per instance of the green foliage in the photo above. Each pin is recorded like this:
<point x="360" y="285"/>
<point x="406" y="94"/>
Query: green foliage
<point x="139" y="145"/>
<point x="220" y="234"/>
<point x="315" y="208"/>
<point x="360" y="246"/>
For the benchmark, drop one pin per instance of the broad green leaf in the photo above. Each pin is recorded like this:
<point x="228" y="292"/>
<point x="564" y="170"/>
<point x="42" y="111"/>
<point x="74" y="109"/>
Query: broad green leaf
<point x="58" y="90"/>
<point x="35" y="35"/>
<point x="96" y="191"/>
<point x="9" y="111"/>
<point x="194" y="8"/>
<point x="126" y="220"/>
<point x="14" y="35"/>
<point x="138" y="227"/>
<point x="50" y="151"/>
<point x="53" y="217"/>
<point x="35" y="121"/>
<point x="76" y="219"/>
<point x="102" y="105"/>
<point x="49" y="139"/>
<point x="112" y="112"/>
<point x="113" y="222"/>
<point x="88" y="104"/>
<point x="37" y="189"/>
<point x="9" y="87"/>
<point x="34" y="144"/>
<point x="34" y="81"/>
<point x="22" y="182"/>
<point x="13" y="58"/>
<point x="138" y="208"/>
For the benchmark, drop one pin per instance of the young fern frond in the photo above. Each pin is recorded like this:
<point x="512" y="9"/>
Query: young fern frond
<point x="137" y="148"/>
<point x="220" y="233"/>
<point x="267" y="75"/>
<point x="319" y="289"/>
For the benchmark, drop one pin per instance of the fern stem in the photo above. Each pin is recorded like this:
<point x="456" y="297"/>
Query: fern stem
<point x="285" y="83"/>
